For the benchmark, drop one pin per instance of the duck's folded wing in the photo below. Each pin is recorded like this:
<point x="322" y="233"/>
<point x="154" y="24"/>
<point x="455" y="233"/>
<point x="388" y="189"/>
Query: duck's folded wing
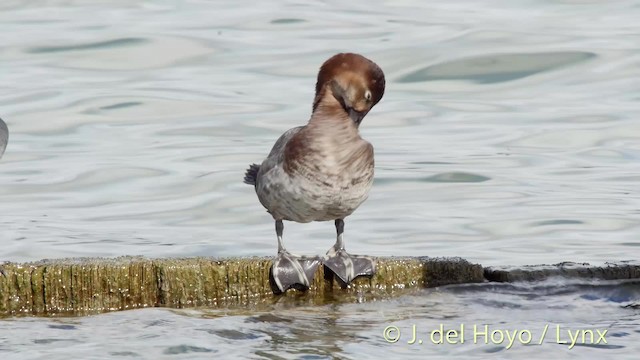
<point x="275" y="157"/>
<point x="278" y="147"/>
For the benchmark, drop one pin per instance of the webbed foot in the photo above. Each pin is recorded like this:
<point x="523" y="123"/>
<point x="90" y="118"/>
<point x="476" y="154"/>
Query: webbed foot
<point x="291" y="271"/>
<point x="347" y="267"/>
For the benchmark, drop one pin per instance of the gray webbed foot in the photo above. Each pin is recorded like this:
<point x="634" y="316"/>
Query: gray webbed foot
<point x="290" y="271"/>
<point x="347" y="267"/>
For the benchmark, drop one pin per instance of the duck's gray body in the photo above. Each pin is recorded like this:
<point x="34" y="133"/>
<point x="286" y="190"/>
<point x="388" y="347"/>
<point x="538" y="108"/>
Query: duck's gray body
<point x="328" y="184"/>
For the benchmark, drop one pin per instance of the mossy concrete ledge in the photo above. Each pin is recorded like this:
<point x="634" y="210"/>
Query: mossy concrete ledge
<point x="93" y="285"/>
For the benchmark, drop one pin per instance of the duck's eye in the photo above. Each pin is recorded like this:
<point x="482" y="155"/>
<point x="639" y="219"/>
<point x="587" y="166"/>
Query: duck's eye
<point x="367" y="95"/>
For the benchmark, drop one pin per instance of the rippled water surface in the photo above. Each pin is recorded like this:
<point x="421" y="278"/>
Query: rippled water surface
<point x="356" y="331"/>
<point x="509" y="134"/>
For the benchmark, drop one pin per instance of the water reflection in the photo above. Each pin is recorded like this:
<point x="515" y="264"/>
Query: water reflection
<point x="497" y="68"/>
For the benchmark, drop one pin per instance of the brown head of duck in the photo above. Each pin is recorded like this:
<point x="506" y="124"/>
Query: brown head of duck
<point x="350" y="84"/>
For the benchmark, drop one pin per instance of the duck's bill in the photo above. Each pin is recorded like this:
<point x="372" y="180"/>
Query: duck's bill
<point x="357" y="116"/>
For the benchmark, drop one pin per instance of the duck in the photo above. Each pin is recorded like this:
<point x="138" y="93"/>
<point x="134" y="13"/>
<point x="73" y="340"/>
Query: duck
<point x="322" y="171"/>
<point x="4" y="137"/>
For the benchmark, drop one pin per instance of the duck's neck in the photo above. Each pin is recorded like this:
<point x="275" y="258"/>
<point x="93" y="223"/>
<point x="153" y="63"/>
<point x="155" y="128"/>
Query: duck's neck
<point x="331" y="120"/>
<point x="327" y="145"/>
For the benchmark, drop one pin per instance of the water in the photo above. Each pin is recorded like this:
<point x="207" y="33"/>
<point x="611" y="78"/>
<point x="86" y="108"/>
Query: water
<point x="354" y="331"/>
<point x="508" y="134"/>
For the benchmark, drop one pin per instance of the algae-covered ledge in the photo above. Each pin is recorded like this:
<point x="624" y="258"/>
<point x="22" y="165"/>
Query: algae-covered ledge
<point x="93" y="285"/>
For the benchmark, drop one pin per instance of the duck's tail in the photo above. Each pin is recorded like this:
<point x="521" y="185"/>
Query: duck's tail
<point x="251" y="176"/>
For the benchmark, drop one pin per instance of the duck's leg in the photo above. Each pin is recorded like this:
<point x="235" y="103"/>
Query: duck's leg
<point x="290" y="271"/>
<point x="345" y="266"/>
